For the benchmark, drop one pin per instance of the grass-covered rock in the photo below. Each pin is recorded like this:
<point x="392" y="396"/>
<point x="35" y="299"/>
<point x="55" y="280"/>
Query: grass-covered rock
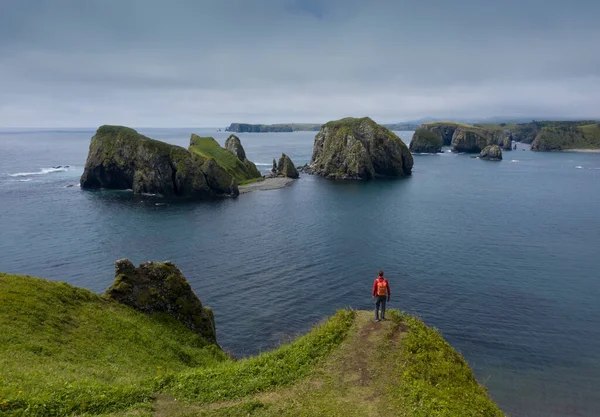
<point x="120" y="158"/>
<point x="160" y="287"/>
<point x="425" y="141"/>
<point x="243" y="171"/>
<point x="359" y="149"/>
<point x="567" y="136"/>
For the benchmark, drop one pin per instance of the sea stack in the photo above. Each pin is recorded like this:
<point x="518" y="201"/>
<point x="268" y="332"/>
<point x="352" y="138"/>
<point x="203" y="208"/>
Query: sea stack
<point x="286" y="167"/>
<point x="491" y="153"/>
<point x="353" y="148"/>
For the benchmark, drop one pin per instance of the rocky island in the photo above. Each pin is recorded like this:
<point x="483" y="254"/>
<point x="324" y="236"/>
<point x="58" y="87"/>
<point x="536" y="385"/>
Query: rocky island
<point x="120" y="158"/>
<point x="359" y="149"/>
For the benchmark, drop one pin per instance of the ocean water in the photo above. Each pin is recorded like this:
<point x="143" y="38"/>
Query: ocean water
<point x="503" y="258"/>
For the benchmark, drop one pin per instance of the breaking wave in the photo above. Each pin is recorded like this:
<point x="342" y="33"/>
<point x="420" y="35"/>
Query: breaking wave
<point x="42" y="171"/>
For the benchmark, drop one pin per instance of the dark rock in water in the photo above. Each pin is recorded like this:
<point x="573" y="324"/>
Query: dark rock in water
<point x="234" y="145"/>
<point x="286" y="167"/>
<point x="157" y="287"/>
<point x="359" y="149"/>
<point x="491" y="153"/>
<point x="120" y="158"/>
<point x="425" y="141"/>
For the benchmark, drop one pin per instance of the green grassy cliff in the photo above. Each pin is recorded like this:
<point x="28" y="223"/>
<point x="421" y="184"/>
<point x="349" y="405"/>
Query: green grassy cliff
<point x="209" y="148"/>
<point x="567" y="136"/>
<point x="67" y="351"/>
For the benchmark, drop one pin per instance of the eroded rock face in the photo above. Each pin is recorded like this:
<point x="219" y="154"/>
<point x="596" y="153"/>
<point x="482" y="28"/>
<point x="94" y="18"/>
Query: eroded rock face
<point x="470" y="140"/>
<point x="286" y="167"/>
<point x="491" y="153"/>
<point x="425" y="141"/>
<point x="444" y="130"/>
<point x="359" y="149"/>
<point x="161" y="287"/>
<point x="120" y="158"/>
<point x="234" y="145"/>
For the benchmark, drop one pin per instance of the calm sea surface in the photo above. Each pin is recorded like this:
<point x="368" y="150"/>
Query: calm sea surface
<point x="504" y="258"/>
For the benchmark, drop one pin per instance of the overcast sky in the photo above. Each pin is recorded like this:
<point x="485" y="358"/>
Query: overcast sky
<point x="209" y="63"/>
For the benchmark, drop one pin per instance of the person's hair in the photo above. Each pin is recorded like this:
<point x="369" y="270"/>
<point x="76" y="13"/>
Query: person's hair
<point x="380" y="273"/>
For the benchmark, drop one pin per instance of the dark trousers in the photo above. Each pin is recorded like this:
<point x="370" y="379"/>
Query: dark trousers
<point x="380" y="302"/>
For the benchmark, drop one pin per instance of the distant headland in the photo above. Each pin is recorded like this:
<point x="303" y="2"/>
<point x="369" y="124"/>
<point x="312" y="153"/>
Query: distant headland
<point x="282" y="127"/>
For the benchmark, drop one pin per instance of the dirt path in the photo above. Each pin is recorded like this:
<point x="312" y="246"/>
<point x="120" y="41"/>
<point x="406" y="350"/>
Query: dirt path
<point x="351" y="382"/>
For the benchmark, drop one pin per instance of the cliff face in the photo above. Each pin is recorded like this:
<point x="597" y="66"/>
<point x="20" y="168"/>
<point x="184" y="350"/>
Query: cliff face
<point x="157" y="287"/>
<point x="425" y="141"/>
<point x="462" y="137"/>
<point x="359" y="149"/>
<point x="444" y="130"/>
<point x="120" y="158"/>
<point x="470" y="140"/>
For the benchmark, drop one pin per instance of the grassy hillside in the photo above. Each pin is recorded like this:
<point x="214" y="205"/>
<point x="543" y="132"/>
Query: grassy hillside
<point x="448" y="124"/>
<point x="496" y="127"/>
<point x="567" y="136"/>
<point x="67" y="351"/>
<point x="208" y="147"/>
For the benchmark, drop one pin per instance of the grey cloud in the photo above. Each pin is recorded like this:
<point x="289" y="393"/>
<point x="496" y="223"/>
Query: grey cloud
<point x="149" y="62"/>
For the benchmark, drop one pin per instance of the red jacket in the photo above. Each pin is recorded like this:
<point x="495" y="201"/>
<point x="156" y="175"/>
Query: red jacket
<point x="387" y="285"/>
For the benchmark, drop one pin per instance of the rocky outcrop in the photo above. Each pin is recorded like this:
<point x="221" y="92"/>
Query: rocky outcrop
<point x="157" y="287"/>
<point x="425" y="141"/>
<point x="120" y="158"/>
<point x="359" y="149"/>
<point x="502" y="138"/>
<point x="286" y="167"/>
<point x="234" y="145"/>
<point x="491" y="153"/>
<point x="470" y="139"/>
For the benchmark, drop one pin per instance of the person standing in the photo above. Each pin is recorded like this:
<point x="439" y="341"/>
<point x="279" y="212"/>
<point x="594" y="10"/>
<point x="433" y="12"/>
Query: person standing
<point x="381" y="293"/>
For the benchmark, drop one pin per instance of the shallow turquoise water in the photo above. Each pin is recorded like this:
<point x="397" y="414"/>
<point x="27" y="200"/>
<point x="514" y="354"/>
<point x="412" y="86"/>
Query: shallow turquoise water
<point x="502" y="257"/>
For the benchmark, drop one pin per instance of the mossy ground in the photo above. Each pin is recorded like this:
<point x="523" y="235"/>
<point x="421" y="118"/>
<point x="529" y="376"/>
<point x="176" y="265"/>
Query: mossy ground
<point x="347" y="366"/>
<point x="209" y="148"/>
